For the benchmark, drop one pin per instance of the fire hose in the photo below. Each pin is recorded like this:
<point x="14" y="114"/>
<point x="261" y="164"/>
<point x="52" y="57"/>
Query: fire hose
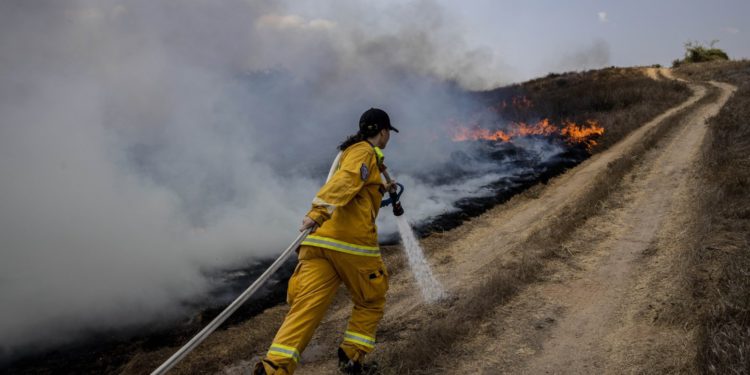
<point x="229" y="310"/>
<point x="211" y="327"/>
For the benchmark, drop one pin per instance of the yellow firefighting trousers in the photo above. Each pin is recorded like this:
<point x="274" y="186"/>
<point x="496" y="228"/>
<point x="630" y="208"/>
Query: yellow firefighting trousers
<point x="311" y="290"/>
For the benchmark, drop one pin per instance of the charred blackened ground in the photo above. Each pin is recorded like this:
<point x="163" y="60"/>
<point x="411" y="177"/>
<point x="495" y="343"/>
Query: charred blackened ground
<point x="620" y="100"/>
<point x="527" y="170"/>
<point x="617" y="99"/>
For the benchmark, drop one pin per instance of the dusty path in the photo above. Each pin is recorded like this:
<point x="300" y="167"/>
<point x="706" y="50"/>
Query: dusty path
<point x="600" y="313"/>
<point x="595" y="302"/>
<point x="554" y="324"/>
<point x="652" y="73"/>
<point x="657" y="74"/>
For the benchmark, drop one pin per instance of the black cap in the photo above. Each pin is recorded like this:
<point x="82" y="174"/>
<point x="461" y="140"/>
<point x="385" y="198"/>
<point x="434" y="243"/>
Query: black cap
<point x="375" y="119"/>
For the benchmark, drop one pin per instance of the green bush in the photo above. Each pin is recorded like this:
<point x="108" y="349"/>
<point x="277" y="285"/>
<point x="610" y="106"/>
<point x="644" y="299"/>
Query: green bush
<point x="696" y="52"/>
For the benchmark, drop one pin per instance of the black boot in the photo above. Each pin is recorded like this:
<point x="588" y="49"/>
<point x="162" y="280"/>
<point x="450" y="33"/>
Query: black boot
<point x="261" y="370"/>
<point x="349" y="367"/>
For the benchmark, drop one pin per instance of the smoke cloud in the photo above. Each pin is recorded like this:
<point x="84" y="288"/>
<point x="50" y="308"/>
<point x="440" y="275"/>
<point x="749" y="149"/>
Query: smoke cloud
<point x="143" y="143"/>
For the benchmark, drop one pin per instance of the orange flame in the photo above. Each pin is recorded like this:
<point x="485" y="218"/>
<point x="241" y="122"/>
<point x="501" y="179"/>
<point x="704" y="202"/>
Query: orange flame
<point x="582" y="134"/>
<point x="572" y="132"/>
<point x="541" y="128"/>
<point x="463" y="133"/>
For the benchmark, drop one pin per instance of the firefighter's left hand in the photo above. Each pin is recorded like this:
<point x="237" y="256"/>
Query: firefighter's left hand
<point x="307" y="222"/>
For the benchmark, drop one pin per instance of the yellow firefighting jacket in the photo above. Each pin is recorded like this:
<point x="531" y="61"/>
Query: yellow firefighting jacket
<point x="347" y="205"/>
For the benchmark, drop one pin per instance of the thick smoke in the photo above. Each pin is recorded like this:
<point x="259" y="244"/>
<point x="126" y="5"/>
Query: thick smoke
<point x="143" y="143"/>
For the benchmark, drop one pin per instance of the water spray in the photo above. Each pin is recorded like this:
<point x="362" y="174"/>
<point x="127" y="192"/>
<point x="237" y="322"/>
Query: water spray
<point x="432" y="290"/>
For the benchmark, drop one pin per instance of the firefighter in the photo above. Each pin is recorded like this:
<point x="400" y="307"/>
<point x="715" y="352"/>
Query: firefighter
<point x="343" y="247"/>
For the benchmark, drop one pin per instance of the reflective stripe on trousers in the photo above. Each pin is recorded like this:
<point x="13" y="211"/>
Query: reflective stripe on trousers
<point x="284" y="351"/>
<point x="359" y="339"/>
<point x="345" y="247"/>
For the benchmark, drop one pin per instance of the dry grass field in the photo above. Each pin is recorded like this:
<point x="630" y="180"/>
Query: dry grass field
<point x="720" y="261"/>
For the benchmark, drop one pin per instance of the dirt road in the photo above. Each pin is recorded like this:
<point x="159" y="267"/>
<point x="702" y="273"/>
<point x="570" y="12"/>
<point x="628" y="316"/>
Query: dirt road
<point x="600" y="310"/>
<point x="606" y="325"/>
<point x="608" y="308"/>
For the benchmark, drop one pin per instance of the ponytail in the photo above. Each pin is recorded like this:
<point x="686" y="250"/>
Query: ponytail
<point x="352" y="139"/>
<point x="359" y="137"/>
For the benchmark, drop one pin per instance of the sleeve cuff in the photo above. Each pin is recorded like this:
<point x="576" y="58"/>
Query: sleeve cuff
<point x="318" y="217"/>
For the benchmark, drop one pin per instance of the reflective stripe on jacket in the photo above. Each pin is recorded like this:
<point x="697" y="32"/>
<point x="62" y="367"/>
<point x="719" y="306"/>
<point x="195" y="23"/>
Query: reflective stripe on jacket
<point x="347" y="205"/>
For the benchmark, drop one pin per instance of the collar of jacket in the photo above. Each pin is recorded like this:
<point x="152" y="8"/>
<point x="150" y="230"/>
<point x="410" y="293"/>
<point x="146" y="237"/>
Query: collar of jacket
<point x="378" y="152"/>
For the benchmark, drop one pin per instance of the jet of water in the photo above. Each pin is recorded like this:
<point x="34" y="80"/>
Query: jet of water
<point x="432" y="290"/>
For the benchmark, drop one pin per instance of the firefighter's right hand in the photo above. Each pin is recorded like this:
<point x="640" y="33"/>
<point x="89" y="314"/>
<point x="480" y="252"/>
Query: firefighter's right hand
<point x="391" y="187"/>
<point x="308" y="223"/>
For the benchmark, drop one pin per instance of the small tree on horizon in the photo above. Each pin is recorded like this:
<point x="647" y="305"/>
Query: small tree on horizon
<point x="696" y="52"/>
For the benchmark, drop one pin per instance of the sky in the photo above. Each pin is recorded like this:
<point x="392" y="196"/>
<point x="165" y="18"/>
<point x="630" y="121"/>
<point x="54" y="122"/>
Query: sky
<point x="536" y="37"/>
<point x="145" y="144"/>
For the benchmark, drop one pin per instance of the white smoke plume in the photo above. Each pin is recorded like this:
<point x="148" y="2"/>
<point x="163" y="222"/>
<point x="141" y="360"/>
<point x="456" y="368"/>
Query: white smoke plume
<point x="144" y="142"/>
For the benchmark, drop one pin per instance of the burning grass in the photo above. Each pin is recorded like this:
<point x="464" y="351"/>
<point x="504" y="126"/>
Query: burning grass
<point x="586" y="112"/>
<point x="591" y="108"/>
<point x="571" y="132"/>
<point x="616" y="99"/>
<point x="458" y="319"/>
<point x="720" y="263"/>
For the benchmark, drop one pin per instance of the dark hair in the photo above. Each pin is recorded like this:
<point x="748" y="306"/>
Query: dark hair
<point x="356" y="138"/>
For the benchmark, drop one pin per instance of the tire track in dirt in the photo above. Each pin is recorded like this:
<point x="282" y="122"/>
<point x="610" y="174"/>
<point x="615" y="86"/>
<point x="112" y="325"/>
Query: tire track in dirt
<point x="657" y="74"/>
<point x="652" y="73"/>
<point x="593" y="303"/>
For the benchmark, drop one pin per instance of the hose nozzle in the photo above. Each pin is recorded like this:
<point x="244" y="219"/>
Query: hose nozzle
<point x="397" y="209"/>
<point x="393" y="196"/>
